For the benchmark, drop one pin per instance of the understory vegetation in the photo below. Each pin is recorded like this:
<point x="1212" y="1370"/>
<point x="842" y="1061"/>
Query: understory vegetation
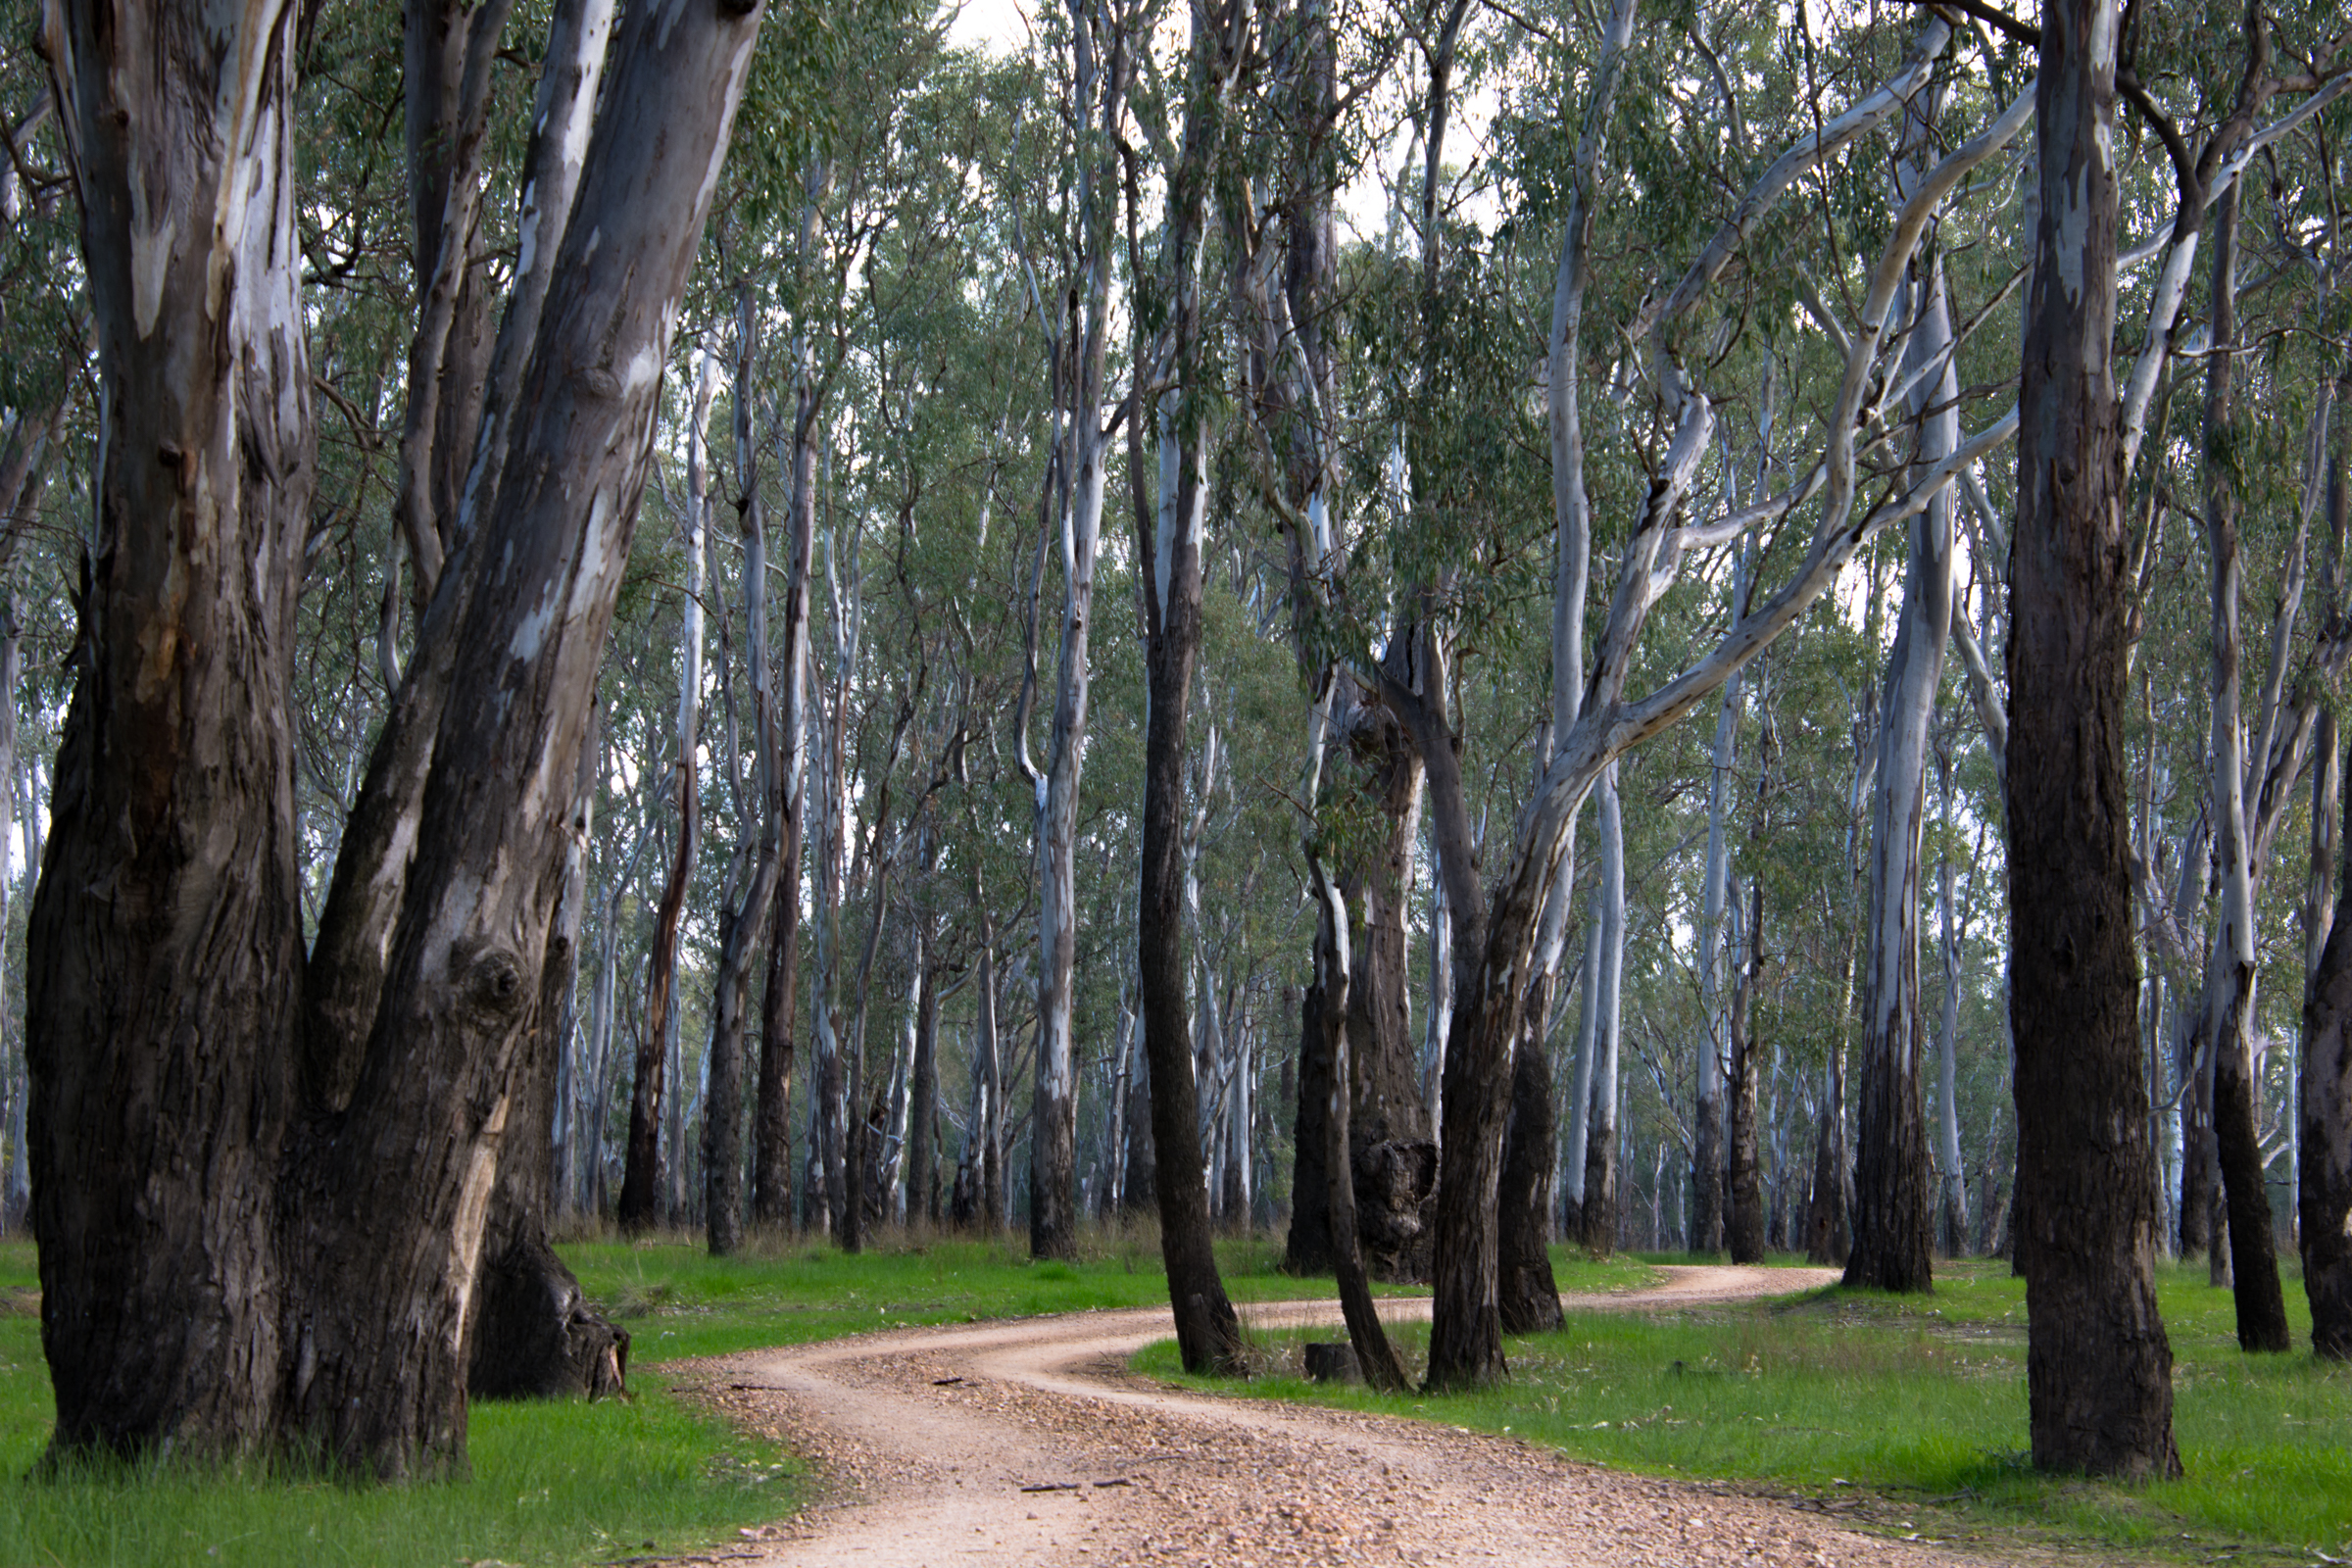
<point x="1903" y="1414"/>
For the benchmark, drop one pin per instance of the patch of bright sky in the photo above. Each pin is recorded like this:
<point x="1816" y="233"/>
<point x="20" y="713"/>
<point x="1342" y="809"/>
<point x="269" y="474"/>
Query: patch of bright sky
<point x="1003" y="27"/>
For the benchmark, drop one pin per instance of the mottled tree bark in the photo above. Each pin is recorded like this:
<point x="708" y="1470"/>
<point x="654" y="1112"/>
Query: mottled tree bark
<point x="2097" y="1364"/>
<point x="164" y="950"/>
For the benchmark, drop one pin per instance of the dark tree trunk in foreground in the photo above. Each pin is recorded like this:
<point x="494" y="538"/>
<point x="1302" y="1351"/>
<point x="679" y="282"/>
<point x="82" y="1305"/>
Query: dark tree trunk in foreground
<point x="2324" y="1174"/>
<point x="235" y="1291"/>
<point x="1743" y="1220"/>
<point x="163" y="956"/>
<point x="1527" y="1295"/>
<point x="2324" y="1100"/>
<point x="2098" y="1366"/>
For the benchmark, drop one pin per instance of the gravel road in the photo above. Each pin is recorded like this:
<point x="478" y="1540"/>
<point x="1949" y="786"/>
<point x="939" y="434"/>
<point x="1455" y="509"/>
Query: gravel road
<point x="1028" y="1442"/>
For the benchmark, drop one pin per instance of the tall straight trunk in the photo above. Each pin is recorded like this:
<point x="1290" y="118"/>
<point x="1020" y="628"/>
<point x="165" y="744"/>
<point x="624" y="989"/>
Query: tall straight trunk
<point x="1101" y="66"/>
<point x="2323" y="1079"/>
<point x="2324" y="1168"/>
<point x="987" y="1079"/>
<point x="922" y="1102"/>
<point x="1600" y="1136"/>
<point x="1894" y="1210"/>
<point x="15" y="1183"/>
<point x="742" y="926"/>
<point x="1953" y="1219"/>
<point x="1706" y="1111"/>
<point x="654" y="1088"/>
<point x="1579" y="1077"/>
<point x="2230" y="970"/>
<point x="1168" y="539"/>
<point x="2098" y="1366"/>
<point x="1528" y="1298"/>
<point x="164" y="949"/>
<point x="1743" y="1223"/>
<point x="829" y="1105"/>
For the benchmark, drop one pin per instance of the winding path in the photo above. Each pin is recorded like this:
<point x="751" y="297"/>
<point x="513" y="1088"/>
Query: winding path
<point x="1028" y="1442"/>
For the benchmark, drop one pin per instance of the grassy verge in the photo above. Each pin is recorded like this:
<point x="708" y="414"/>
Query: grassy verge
<point x="1910" y="1415"/>
<point x="561" y="1484"/>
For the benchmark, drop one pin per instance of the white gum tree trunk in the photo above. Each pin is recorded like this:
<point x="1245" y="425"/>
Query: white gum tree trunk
<point x="1894" y="1229"/>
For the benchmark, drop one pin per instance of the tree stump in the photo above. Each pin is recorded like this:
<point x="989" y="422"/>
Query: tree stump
<point x="1333" y="1364"/>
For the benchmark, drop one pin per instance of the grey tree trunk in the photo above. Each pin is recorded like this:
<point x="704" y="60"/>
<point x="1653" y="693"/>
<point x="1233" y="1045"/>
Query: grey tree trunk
<point x="1894" y="1225"/>
<point x="2230" y="971"/>
<point x="772" y="1142"/>
<point x="655" y="1087"/>
<point x="164" y="960"/>
<point x="1953" y="1219"/>
<point x="742" y="925"/>
<point x="2097" y="1364"/>
<point x="1600" y="1135"/>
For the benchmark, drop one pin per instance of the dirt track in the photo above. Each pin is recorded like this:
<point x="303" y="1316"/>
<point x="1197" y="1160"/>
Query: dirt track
<point x="1028" y="1442"/>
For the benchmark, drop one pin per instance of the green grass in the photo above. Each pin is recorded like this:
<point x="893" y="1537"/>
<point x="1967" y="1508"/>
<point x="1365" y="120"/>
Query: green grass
<point x="1910" y="1414"/>
<point x="563" y="1483"/>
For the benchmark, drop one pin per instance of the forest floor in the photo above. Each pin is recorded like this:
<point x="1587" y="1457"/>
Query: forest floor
<point x="1031" y="1442"/>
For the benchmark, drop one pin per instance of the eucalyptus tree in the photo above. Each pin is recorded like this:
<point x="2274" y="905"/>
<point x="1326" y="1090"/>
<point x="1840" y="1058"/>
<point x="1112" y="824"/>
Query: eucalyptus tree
<point x="1492" y="976"/>
<point x="176" y="1311"/>
<point x="1169" y="533"/>
<point x="1894" y="1239"/>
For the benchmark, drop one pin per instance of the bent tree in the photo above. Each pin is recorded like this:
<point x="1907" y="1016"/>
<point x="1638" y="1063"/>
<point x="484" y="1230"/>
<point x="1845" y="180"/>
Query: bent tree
<point x="224" y="1268"/>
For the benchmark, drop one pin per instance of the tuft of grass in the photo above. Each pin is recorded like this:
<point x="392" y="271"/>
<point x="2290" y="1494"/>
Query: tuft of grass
<point x="1910" y="1413"/>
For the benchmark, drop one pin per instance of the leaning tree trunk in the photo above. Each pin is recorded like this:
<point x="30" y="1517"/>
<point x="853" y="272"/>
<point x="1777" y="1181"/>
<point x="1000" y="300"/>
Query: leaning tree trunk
<point x="1894" y="1210"/>
<point x="2230" y="971"/>
<point x="164" y="949"/>
<point x="2098" y="1366"/>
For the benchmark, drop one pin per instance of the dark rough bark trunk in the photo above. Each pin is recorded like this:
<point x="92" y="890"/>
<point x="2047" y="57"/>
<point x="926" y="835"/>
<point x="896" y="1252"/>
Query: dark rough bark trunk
<point x="772" y="1130"/>
<point x="1207" y="1331"/>
<point x="1526" y="1294"/>
<point x="534" y="1334"/>
<point x="1306" y="1249"/>
<point x="1391" y="1153"/>
<point x="2324" y="1099"/>
<point x="2324" y="1173"/>
<point x="1138" y="1187"/>
<point x="2098" y="1366"/>
<point x="1743" y="1224"/>
<point x="164" y="955"/>
<point x="2197" y="1167"/>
